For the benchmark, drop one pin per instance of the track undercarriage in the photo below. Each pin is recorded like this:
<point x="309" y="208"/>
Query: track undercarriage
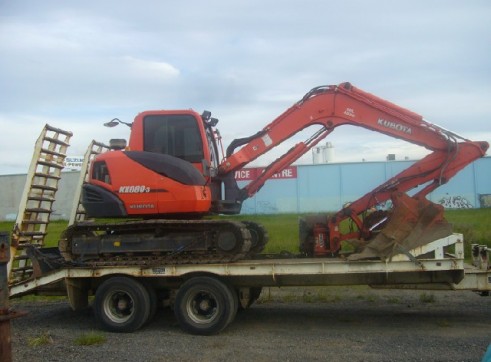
<point x="153" y="242"/>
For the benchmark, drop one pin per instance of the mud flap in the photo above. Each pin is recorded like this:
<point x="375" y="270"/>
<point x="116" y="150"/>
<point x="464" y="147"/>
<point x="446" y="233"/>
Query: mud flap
<point x="412" y="223"/>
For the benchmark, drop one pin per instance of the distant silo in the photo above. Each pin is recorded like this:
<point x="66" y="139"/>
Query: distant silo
<point x="323" y="154"/>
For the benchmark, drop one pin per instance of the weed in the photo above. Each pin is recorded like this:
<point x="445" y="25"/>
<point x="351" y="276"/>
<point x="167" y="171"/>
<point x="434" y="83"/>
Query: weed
<point x="427" y="298"/>
<point x="371" y="298"/>
<point x="90" y="338"/>
<point x="309" y="297"/>
<point x="40" y="298"/>
<point x="44" y="339"/>
<point x="444" y="323"/>
<point x="336" y="298"/>
<point x="393" y="300"/>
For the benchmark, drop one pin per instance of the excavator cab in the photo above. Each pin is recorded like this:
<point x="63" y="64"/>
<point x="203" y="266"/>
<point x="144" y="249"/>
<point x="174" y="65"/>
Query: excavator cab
<point x="177" y="135"/>
<point x="182" y="134"/>
<point x="165" y="171"/>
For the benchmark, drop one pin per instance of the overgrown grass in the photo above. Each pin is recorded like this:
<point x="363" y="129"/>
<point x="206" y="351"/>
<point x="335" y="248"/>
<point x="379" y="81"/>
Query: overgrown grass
<point x="42" y="340"/>
<point x="473" y="224"/>
<point x="283" y="228"/>
<point x="427" y="298"/>
<point x="90" y="338"/>
<point x="55" y="229"/>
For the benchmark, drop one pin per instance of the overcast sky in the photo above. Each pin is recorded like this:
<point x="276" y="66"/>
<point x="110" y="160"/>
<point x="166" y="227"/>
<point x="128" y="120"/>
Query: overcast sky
<point x="78" y="64"/>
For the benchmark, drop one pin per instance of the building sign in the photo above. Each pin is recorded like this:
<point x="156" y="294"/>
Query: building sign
<point x="249" y="174"/>
<point x="73" y="162"/>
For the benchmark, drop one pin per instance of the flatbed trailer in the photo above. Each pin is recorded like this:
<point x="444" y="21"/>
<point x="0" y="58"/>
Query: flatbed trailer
<point x="205" y="297"/>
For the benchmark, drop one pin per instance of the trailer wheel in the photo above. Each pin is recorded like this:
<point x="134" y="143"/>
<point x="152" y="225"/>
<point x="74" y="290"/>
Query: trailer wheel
<point x="154" y="302"/>
<point x="122" y="304"/>
<point x="205" y="305"/>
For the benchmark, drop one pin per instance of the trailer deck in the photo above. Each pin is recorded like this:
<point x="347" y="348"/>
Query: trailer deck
<point x="428" y="267"/>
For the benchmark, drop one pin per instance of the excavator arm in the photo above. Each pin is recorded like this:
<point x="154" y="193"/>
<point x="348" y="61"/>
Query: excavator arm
<point x="344" y="104"/>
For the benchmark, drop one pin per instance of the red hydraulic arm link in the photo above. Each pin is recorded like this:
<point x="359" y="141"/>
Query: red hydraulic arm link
<point x="432" y="171"/>
<point x="284" y="161"/>
<point x="333" y="106"/>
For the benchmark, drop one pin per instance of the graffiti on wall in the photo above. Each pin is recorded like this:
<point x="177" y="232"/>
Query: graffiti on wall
<point x="485" y="200"/>
<point x="386" y="205"/>
<point x="455" y="202"/>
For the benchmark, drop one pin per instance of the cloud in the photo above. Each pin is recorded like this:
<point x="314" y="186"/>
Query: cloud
<point x="150" y="70"/>
<point x="79" y="64"/>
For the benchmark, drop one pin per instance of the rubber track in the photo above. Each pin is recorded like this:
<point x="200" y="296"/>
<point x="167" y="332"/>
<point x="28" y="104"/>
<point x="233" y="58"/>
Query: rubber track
<point x="185" y="256"/>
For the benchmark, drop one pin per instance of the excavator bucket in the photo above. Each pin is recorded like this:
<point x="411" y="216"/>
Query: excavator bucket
<point x="412" y="223"/>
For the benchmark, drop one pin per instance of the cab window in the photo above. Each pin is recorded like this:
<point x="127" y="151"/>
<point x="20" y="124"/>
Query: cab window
<point x="174" y="135"/>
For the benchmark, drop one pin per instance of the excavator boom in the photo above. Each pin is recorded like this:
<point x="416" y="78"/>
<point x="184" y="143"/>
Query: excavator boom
<point x="337" y="105"/>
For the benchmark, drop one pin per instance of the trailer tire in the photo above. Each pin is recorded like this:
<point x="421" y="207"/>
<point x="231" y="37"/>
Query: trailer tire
<point x="121" y="304"/>
<point x="154" y="302"/>
<point x="205" y="305"/>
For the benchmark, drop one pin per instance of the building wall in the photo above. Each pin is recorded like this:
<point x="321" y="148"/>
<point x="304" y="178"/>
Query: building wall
<point x="327" y="187"/>
<point x="316" y="188"/>
<point x="12" y="187"/>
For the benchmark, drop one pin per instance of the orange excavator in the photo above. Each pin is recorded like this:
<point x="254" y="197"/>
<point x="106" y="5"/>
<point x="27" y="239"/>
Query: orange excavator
<point x="170" y="175"/>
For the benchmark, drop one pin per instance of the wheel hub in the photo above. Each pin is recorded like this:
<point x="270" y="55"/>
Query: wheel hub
<point x="122" y="304"/>
<point x="204" y="305"/>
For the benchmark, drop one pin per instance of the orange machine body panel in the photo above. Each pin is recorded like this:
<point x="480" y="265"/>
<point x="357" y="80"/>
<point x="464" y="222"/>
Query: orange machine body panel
<point x="160" y="174"/>
<point x="145" y="192"/>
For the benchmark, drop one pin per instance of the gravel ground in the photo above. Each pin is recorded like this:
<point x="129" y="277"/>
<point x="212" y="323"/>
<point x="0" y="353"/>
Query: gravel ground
<point x="288" y="324"/>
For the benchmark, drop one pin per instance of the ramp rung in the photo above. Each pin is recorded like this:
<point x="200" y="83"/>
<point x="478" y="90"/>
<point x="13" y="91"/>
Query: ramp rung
<point x="47" y="175"/>
<point x="32" y="241"/>
<point x="50" y="164"/>
<point x="44" y="187"/>
<point x="40" y="210"/>
<point x="52" y="153"/>
<point x="32" y="233"/>
<point x="41" y="198"/>
<point x="56" y="141"/>
<point x="58" y="130"/>
<point x="34" y="222"/>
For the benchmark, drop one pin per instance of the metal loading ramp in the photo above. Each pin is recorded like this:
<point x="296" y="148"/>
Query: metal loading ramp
<point x="36" y="205"/>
